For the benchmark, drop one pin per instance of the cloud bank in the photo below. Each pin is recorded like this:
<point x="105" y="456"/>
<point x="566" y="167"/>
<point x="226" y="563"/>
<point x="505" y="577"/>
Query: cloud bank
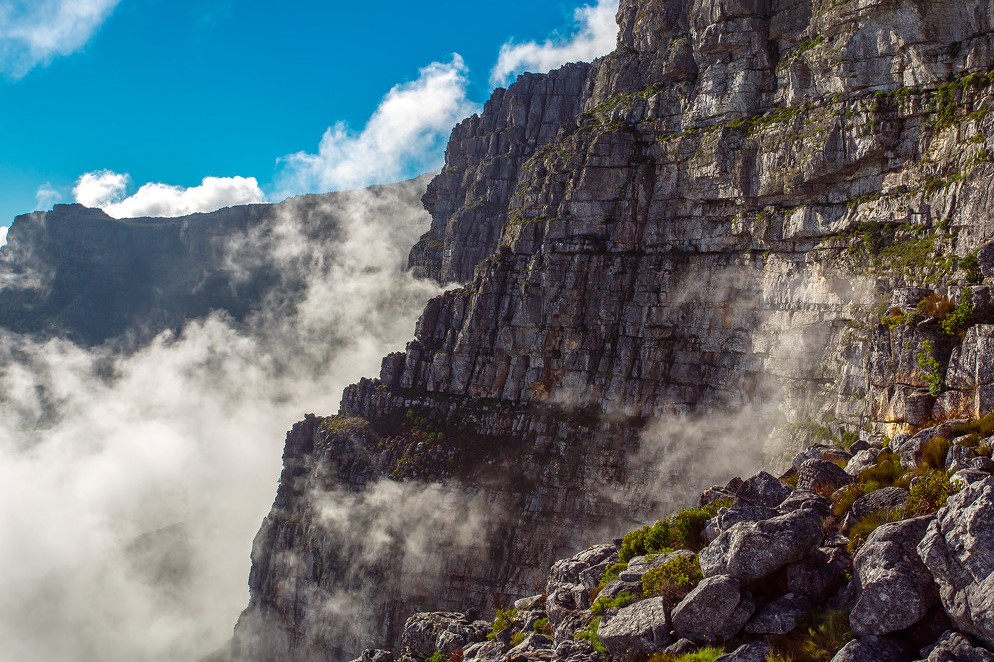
<point x="131" y="486"/>
<point x="33" y="33"/>
<point x="3" y="235"/>
<point x="406" y="133"/>
<point x="595" y="34"/>
<point x="107" y="190"/>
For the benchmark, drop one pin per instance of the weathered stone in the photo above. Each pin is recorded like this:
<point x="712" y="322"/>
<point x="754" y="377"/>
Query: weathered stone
<point x="422" y="632"/>
<point x="819" y="575"/>
<point x="821" y="476"/>
<point x="753" y="550"/>
<point x="756" y="651"/>
<point x="681" y="647"/>
<point x="965" y="477"/>
<point x="569" y="650"/>
<point x="888" y="498"/>
<point x="375" y="655"/>
<point x="763" y="490"/>
<point x="728" y="517"/>
<point x="872" y="649"/>
<point x="820" y="452"/>
<point x="896" y="589"/>
<point x="643" y="627"/>
<point x="780" y="616"/>
<point x="714" y="611"/>
<point x="954" y="647"/>
<point x="958" y="549"/>
<point x="862" y="460"/>
<point x="810" y="500"/>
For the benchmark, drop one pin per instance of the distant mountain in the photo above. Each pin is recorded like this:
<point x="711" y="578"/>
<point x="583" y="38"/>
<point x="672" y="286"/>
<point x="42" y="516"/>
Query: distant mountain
<point x="77" y="273"/>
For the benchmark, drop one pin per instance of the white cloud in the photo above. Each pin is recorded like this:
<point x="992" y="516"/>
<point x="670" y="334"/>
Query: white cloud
<point x="3" y="235"/>
<point x="595" y="34"/>
<point x="47" y="195"/>
<point x="33" y="32"/>
<point x="406" y="135"/>
<point x="106" y="190"/>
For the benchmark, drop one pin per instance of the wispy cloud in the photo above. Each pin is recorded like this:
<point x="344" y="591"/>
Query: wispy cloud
<point x="33" y="32"/>
<point x="47" y="195"/>
<point x="405" y="136"/>
<point x="3" y="235"/>
<point x="107" y="190"/>
<point x="595" y="33"/>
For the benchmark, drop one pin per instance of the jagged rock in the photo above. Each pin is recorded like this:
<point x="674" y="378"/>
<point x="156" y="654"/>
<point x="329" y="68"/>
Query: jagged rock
<point x="912" y="449"/>
<point x="533" y="641"/>
<point x="803" y="499"/>
<point x="983" y="464"/>
<point x="681" y="647"/>
<point x="896" y="589"/>
<point x="375" y="655"/>
<point x="529" y="603"/>
<point x="569" y="650"/>
<point x="965" y="477"/>
<point x="763" y="490"/>
<point x="619" y="586"/>
<point x="489" y="651"/>
<point x="872" y="649"/>
<point x="571" y="623"/>
<point x="570" y="584"/>
<point x="888" y="498"/>
<point x="863" y="459"/>
<point x="643" y="627"/>
<point x="714" y="611"/>
<point x="958" y="549"/>
<point x="780" y="616"/>
<point x="756" y="651"/>
<point x="819" y="575"/>
<point x="753" y="550"/>
<point x="728" y="517"/>
<point x="820" y="452"/>
<point x="954" y="647"/>
<point x="959" y="457"/>
<point x="821" y="476"/>
<point x="716" y="493"/>
<point x="422" y="633"/>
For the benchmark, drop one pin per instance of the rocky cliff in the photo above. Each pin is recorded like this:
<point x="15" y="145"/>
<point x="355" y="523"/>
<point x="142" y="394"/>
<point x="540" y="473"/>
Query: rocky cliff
<point x="754" y="225"/>
<point x="77" y="273"/>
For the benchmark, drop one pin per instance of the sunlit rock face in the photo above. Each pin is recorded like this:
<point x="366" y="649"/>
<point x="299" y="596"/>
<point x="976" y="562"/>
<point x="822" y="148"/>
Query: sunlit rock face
<point x="665" y="256"/>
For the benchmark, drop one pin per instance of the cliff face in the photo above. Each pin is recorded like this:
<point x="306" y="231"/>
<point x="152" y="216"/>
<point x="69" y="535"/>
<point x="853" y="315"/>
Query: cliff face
<point x="667" y="255"/>
<point x="80" y="274"/>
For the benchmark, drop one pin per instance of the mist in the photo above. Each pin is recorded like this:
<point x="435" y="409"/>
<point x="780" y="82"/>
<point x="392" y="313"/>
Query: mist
<point x="131" y="486"/>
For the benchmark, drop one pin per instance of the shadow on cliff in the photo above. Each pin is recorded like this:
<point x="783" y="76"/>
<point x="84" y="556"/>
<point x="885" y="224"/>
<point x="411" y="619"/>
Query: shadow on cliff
<point x="132" y="484"/>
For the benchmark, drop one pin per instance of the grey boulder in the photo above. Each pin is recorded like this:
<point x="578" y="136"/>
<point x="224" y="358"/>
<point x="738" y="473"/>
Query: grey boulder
<point x="895" y="588"/>
<point x="958" y="549"/>
<point x="872" y="649"/>
<point x="713" y="612"/>
<point x="954" y="647"/>
<point x="821" y="476"/>
<point x="643" y="627"/>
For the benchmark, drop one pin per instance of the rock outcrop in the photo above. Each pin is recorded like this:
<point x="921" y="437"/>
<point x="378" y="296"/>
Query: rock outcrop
<point x="751" y="218"/>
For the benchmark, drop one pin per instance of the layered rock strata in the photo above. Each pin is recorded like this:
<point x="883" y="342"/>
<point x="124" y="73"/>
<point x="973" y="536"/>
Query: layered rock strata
<point x="750" y="217"/>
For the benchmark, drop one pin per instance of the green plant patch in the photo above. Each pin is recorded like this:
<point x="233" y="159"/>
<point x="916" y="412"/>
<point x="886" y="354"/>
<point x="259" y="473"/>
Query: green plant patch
<point x="602" y="604"/>
<point x="680" y="531"/>
<point x="673" y="580"/>
<point x="590" y="634"/>
<point x="818" y="637"/>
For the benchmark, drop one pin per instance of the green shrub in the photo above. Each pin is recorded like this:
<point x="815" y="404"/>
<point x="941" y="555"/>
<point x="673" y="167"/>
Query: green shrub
<point x="517" y="638"/>
<point x="956" y="322"/>
<point x="613" y="572"/>
<point x="843" y="498"/>
<point x="602" y="604"/>
<point x="680" y="531"/>
<point x="437" y="656"/>
<point x="970" y="265"/>
<point x="503" y="620"/>
<point x="817" y="638"/>
<point x="542" y="626"/>
<point x="708" y="654"/>
<point x="674" y="579"/>
<point x="929" y="493"/>
<point x="886" y="472"/>
<point x="932" y="371"/>
<point x="861" y="530"/>
<point x="590" y="634"/>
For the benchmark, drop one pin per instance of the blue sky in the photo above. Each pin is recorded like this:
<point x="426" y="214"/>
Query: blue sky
<point x="169" y="92"/>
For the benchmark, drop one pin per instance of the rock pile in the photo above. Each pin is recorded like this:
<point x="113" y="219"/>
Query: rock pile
<point x="874" y="559"/>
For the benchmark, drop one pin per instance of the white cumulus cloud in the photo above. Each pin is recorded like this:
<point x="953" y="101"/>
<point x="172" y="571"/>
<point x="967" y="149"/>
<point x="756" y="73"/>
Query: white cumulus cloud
<point x="107" y="190"/>
<point x="595" y="34"/>
<point x="405" y="135"/>
<point x="33" y="32"/>
<point x="3" y="235"/>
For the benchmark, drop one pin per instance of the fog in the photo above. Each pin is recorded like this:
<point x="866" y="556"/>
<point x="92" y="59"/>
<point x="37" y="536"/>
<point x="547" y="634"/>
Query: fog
<point x="131" y="486"/>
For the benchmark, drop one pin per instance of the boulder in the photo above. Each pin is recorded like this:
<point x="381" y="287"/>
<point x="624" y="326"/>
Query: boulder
<point x="965" y="477"/>
<point x="872" y="649"/>
<point x="820" y="452"/>
<point x="958" y="458"/>
<point x="888" y="498"/>
<point x="570" y="650"/>
<point x="958" y="549"/>
<point x="763" y="489"/>
<point x="756" y="651"/>
<point x="954" y="647"/>
<point x="619" y="586"/>
<point x="983" y="464"/>
<point x="713" y="612"/>
<point x="819" y="575"/>
<point x="729" y="517"/>
<point x="911" y="451"/>
<point x="862" y="460"/>
<point x="810" y="500"/>
<point x="375" y="655"/>
<point x="821" y="476"/>
<point x="681" y="647"/>
<point x="643" y="627"/>
<point x="569" y="586"/>
<point x="423" y="630"/>
<point x="753" y="550"/>
<point x="896" y="589"/>
<point x="780" y="616"/>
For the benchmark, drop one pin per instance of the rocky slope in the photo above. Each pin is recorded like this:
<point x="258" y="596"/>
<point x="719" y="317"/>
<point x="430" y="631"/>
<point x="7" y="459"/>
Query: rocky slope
<point x="753" y="226"/>
<point x="77" y="273"/>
